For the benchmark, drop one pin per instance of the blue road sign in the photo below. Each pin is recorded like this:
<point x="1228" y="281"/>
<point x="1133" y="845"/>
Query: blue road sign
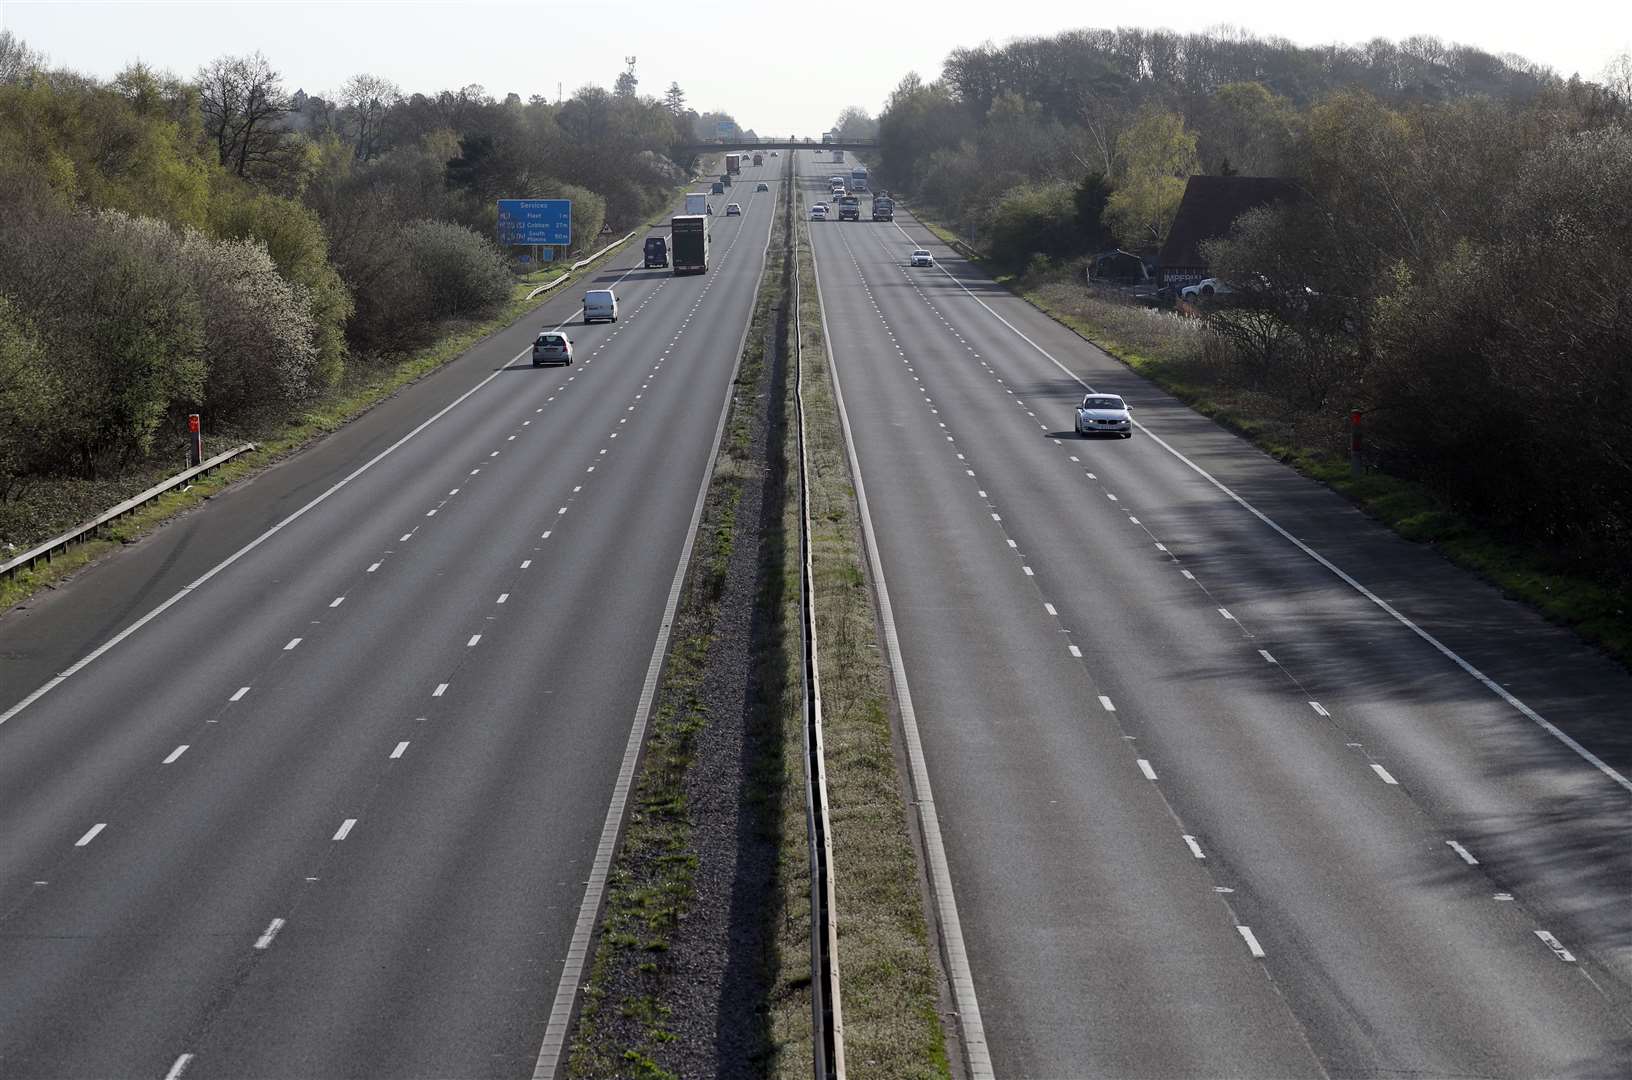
<point x="724" y="129"/>
<point x="535" y="221"/>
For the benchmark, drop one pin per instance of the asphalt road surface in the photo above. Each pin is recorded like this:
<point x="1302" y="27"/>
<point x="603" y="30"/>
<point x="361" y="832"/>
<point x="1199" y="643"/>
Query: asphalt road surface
<point x="1208" y="808"/>
<point x="331" y="811"/>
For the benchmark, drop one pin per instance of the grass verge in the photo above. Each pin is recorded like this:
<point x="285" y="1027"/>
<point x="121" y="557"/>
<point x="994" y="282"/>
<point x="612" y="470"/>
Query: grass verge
<point x="890" y="982"/>
<point x="1166" y="350"/>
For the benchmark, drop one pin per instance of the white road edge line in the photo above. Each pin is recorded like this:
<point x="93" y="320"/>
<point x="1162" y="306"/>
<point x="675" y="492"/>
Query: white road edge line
<point x="1443" y="649"/>
<point x="179" y="1067"/>
<point x="1467" y="856"/>
<point x="1383" y="774"/>
<point x="566" y="991"/>
<point x="1557" y="946"/>
<point x="96" y="653"/>
<point x="1144" y="767"/>
<point x="1195" y="848"/>
<point x="940" y="874"/>
<point x="1252" y="942"/>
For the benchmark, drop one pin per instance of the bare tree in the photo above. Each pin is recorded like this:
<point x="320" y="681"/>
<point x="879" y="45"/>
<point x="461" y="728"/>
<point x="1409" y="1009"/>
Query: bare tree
<point x="244" y="104"/>
<point x="365" y="101"/>
<point x="17" y="60"/>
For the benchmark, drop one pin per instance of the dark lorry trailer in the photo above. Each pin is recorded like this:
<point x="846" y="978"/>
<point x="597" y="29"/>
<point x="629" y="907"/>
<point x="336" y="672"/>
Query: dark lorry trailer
<point x="690" y="235"/>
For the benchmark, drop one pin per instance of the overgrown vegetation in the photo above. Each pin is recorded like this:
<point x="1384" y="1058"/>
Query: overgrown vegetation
<point x="218" y="244"/>
<point x="1452" y="261"/>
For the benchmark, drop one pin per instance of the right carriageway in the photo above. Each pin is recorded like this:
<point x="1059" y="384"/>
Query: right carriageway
<point x="1209" y="807"/>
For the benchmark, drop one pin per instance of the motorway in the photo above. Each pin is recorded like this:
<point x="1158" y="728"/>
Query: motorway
<point x="331" y="806"/>
<point x="1207" y="807"/>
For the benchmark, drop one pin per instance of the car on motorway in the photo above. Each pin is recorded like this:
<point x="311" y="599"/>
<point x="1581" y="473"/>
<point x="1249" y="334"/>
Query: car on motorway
<point x="551" y="348"/>
<point x="600" y="304"/>
<point x="716" y="188"/>
<point x="656" y="252"/>
<point x="1104" y="414"/>
<point x="818" y="212"/>
<point x="922" y="258"/>
<point x="733" y="210"/>
<point x="762" y="187"/>
<point x="773" y="153"/>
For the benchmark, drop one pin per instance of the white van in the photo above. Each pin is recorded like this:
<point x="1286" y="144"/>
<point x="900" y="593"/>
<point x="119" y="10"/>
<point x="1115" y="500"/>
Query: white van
<point x="600" y="304"/>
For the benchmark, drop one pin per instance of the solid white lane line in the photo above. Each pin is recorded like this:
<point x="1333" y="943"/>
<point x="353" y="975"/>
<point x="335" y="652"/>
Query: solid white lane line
<point x="345" y="828"/>
<point x="1265" y="654"/>
<point x="179" y="1067"/>
<point x="1317" y="706"/>
<point x="293" y="642"/>
<point x="1252" y="942"/>
<point x="271" y="932"/>
<point x="176" y="753"/>
<point x="1557" y="946"/>
<point x="1144" y="767"/>
<point x="1467" y="856"/>
<point x="239" y="694"/>
<point x="959" y="975"/>
<point x="337" y="601"/>
<point x="1383" y="773"/>
<point x="1195" y="848"/>
<point x="441" y="688"/>
<point x="1050" y="609"/>
<point x="400" y="748"/>
<point x="1106" y="703"/>
<point x="1161" y="547"/>
<point x="474" y="638"/>
<point x="1226" y="613"/>
<point x="90" y="834"/>
<point x="372" y="567"/>
<point x="503" y="596"/>
<point x="1075" y="651"/>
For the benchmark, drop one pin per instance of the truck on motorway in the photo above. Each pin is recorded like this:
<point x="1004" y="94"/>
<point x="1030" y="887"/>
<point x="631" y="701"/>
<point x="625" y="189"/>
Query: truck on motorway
<point x="697" y="201"/>
<point x="883" y="208"/>
<point x="733" y="164"/>
<point x="838" y="155"/>
<point x="858" y="178"/>
<point x="759" y="159"/>
<point x="849" y="208"/>
<point x="689" y="250"/>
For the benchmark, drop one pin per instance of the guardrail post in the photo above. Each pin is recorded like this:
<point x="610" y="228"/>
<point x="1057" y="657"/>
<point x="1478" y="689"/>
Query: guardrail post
<point x="195" y="446"/>
<point x="1355" y="445"/>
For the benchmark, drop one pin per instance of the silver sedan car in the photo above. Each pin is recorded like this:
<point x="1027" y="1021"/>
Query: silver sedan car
<point x="1104" y="414"/>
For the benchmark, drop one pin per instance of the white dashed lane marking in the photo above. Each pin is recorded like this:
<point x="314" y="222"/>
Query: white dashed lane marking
<point x="271" y="931"/>
<point x="175" y="754"/>
<point x="90" y="834"/>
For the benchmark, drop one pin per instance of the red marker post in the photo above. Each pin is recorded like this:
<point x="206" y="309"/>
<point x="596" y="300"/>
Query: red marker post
<point x="195" y="446"/>
<point x="1354" y="441"/>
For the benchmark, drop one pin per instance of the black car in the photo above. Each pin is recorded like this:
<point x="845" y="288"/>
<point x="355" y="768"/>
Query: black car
<point x="657" y="252"/>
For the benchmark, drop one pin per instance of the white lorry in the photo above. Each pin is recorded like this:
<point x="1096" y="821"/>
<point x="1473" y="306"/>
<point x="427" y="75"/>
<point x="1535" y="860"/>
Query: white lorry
<point x="696" y="202"/>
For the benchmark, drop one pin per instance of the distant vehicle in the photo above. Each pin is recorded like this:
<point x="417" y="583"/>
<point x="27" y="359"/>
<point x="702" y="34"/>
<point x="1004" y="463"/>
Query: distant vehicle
<point x="733" y="164"/>
<point x="600" y="304"/>
<point x="697" y="202"/>
<point x="1205" y="289"/>
<point x="823" y="207"/>
<point x="818" y="212"/>
<point x="773" y="153"/>
<point x="717" y="188"/>
<point x="1104" y="414"/>
<point x="858" y="179"/>
<point x="689" y="235"/>
<point x="550" y="348"/>
<point x="849" y="208"/>
<point x="922" y="258"/>
<point x="657" y="252"/>
<point x="725" y="178"/>
<point x="733" y="210"/>
<point x="883" y="208"/>
<point x="762" y="187"/>
<point x="759" y="159"/>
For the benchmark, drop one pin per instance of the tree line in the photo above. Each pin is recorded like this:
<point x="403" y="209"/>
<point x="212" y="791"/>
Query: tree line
<point x="1455" y="264"/>
<point x="220" y="243"/>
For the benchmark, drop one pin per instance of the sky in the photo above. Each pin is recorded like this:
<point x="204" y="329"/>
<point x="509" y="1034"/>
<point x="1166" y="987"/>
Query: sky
<point x="778" y="68"/>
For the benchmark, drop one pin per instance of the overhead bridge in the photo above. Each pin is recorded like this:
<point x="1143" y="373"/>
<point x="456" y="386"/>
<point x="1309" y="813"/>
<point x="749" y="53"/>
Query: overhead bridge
<point x="721" y="145"/>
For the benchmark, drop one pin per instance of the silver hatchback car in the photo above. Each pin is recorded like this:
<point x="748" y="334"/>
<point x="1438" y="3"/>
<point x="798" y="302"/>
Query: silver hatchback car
<point x="552" y="348"/>
<point x="1104" y="414"/>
